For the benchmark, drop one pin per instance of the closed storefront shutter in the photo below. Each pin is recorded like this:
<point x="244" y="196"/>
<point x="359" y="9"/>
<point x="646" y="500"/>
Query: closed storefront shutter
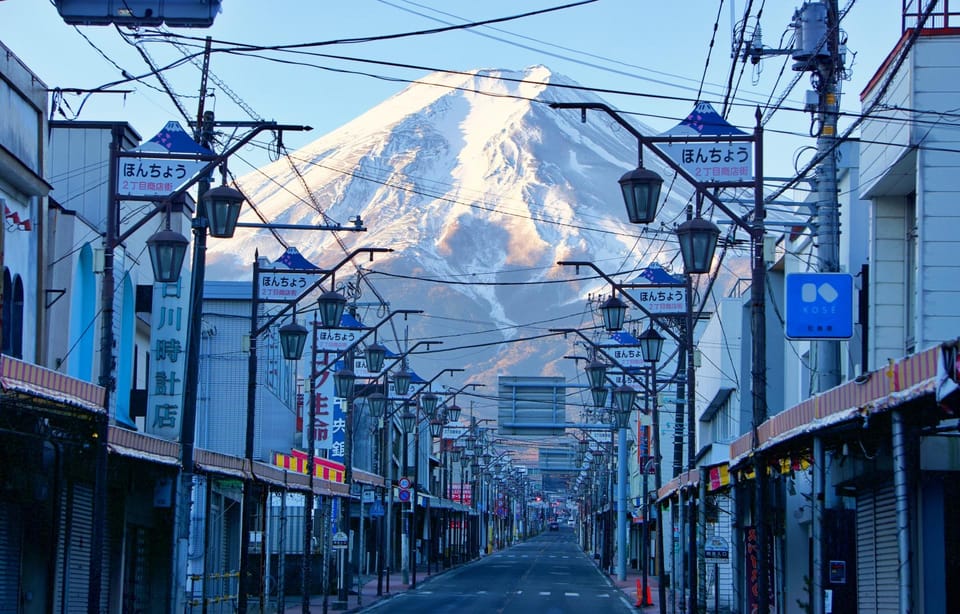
<point x="877" y="554"/>
<point x="9" y="558"/>
<point x="73" y="549"/>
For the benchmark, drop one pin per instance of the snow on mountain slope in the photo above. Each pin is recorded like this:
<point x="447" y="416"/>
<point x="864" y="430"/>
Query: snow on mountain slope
<point x="479" y="194"/>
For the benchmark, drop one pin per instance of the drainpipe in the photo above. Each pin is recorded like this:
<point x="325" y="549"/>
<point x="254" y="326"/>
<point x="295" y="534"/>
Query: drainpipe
<point x="900" y="478"/>
<point x="816" y="523"/>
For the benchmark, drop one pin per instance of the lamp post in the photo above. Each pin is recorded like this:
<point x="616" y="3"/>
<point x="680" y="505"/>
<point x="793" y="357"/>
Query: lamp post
<point x="651" y="347"/>
<point x="344" y="381"/>
<point x="698" y="239"/>
<point x="377" y="402"/>
<point x="331" y="305"/>
<point x="216" y="214"/>
<point x="166" y="262"/>
<point x="292" y="340"/>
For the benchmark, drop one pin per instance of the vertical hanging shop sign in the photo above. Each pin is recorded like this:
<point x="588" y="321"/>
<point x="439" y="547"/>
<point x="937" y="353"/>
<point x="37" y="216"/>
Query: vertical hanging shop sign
<point x="168" y="338"/>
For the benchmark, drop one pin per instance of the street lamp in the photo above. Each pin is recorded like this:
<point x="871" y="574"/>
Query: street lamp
<point x="453" y="412"/>
<point x="698" y="241"/>
<point x="651" y="345"/>
<point x="375" y="354"/>
<point x="293" y="337"/>
<point x="222" y="210"/>
<point x="167" y="250"/>
<point x="344" y="382"/>
<point x="614" y="311"/>
<point x="623" y="397"/>
<point x="428" y="401"/>
<point x="641" y="191"/>
<point x="402" y="379"/>
<point x="596" y="373"/>
<point x="331" y="304"/>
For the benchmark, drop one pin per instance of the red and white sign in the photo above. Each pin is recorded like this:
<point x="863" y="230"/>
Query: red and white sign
<point x="460" y="493"/>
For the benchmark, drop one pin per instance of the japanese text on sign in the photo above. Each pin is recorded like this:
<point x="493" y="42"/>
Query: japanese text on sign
<point x="168" y="338"/>
<point x="283" y="285"/>
<point x="335" y="339"/>
<point x="662" y="300"/>
<point x="153" y="176"/>
<point x="708" y="162"/>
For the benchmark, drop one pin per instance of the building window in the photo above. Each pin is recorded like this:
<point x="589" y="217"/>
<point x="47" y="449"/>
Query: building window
<point x="910" y="275"/>
<point x="12" y="315"/>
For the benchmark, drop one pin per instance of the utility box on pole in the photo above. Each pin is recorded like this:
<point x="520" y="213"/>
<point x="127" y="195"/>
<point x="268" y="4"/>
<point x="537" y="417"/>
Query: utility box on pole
<point x="150" y="13"/>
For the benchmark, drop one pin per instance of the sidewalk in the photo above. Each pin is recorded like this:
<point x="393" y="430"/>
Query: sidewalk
<point x="368" y="593"/>
<point x="631" y="588"/>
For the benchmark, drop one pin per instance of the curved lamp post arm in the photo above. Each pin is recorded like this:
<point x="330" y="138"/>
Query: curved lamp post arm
<point x="625" y="370"/>
<point x="325" y="275"/>
<point x="621" y="289"/>
<point x="368" y="332"/>
<point x="426" y="384"/>
<point x="651" y="141"/>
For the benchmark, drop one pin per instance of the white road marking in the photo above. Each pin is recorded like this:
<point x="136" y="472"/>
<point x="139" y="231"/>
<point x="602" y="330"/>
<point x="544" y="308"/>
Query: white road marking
<point x="571" y="594"/>
<point x="544" y="593"/>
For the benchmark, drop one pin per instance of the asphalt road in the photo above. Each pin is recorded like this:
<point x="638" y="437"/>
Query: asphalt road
<point x="548" y="574"/>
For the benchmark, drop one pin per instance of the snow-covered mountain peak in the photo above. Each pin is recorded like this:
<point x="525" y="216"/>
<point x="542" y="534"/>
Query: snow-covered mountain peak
<point x="479" y="187"/>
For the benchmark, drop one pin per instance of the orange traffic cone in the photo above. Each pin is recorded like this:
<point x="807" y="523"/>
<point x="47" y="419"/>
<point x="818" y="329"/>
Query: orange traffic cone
<point x="643" y="600"/>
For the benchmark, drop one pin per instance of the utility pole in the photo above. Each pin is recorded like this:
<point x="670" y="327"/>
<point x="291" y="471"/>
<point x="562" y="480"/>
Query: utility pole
<point x="827" y="71"/>
<point x="819" y="51"/>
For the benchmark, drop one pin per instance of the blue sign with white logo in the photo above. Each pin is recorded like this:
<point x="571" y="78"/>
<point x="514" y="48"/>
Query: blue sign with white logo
<point x="819" y="306"/>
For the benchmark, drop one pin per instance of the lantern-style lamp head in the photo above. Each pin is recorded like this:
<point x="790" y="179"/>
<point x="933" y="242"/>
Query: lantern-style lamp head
<point x="599" y="397"/>
<point x="429" y="402"/>
<point x="331" y="304"/>
<point x="344" y="382"/>
<point x="453" y="412"/>
<point x="698" y="240"/>
<point x="583" y="445"/>
<point x="401" y="381"/>
<point x="436" y="428"/>
<point x="375" y="353"/>
<point x="614" y="312"/>
<point x="167" y="250"/>
<point x="293" y="337"/>
<point x="222" y="205"/>
<point x="641" y="192"/>
<point x="408" y="420"/>
<point x="651" y="344"/>
<point x="378" y="404"/>
<point x="624" y="397"/>
<point x="597" y="373"/>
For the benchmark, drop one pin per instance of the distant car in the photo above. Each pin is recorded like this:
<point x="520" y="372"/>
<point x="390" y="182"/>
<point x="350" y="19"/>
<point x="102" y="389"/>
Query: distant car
<point x="554" y="525"/>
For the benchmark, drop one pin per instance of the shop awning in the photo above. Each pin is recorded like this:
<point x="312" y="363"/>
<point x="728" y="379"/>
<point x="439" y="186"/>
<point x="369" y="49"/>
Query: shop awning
<point x="17" y="376"/>
<point x="133" y="444"/>
<point x="882" y="390"/>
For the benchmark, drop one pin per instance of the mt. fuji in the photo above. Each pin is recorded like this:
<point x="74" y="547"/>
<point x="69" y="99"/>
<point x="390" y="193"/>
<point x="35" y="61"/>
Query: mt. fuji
<point x="479" y="187"/>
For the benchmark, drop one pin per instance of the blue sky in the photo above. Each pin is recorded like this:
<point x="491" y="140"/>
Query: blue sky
<point x="657" y="48"/>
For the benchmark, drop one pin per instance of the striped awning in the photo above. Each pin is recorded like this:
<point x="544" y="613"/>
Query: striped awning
<point x="33" y="380"/>
<point x="884" y="389"/>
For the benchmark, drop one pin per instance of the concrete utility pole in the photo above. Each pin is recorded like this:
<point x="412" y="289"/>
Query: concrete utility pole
<point x="826" y="72"/>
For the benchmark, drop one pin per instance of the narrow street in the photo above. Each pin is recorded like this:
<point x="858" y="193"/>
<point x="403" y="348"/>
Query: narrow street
<point x="546" y="574"/>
